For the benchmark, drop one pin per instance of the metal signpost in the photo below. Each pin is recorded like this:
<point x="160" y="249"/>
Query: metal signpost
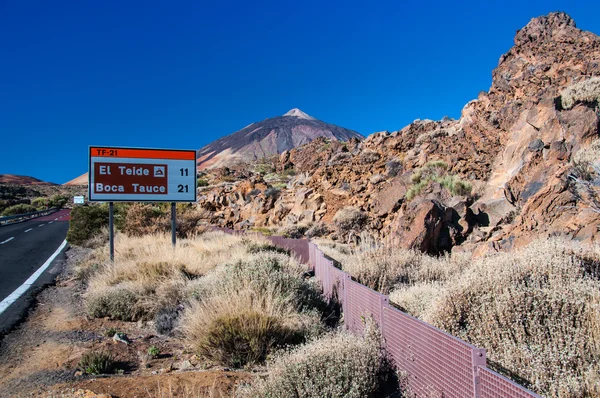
<point x="141" y="175"/>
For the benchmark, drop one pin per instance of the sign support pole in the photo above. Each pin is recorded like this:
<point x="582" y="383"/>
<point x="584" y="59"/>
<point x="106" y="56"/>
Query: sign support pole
<point x="173" y="224"/>
<point x="111" y="231"/>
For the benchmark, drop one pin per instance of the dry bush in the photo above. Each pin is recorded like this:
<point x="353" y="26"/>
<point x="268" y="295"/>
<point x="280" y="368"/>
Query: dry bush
<point x="369" y="156"/>
<point x="430" y="136"/>
<point x="587" y="91"/>
<point x="393" y="167"/>
<point x="382" y="268"/>
<point x="349" y="219"/>
<point x="418" y="298"/>
<point x="336" y="365"/>
<point x="293" y="231"/>
<point x="262" y="271"/>
<point x="589" y="154"/>
<point x="536" y="310"/>
<point x="339" y="158"/>
<point x="317" y="230"/>
<point x="148" y="219"/>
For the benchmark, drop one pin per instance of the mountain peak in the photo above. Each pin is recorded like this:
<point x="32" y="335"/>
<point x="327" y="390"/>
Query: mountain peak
<point x="299" y="114"/>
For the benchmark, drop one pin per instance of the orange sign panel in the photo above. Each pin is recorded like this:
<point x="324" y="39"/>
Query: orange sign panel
<point x="140" y="174"/>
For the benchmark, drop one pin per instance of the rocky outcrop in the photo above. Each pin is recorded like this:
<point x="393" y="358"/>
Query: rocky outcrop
<point x="514" y="145"/>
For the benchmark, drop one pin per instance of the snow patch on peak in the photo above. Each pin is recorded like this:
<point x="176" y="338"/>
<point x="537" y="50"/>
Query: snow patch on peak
<point x="299" y="114"/>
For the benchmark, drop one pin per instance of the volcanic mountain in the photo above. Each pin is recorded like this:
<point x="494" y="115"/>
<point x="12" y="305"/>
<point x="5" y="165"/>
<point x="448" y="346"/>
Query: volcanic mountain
<point x="269" y="137"/>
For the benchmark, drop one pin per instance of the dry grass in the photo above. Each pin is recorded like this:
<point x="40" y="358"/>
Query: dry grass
<point x="148" y="274"/>
<point x="336" y="365"/>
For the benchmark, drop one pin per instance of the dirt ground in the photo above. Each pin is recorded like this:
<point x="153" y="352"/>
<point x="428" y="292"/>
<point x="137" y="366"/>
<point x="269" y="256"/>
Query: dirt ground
<point x="40" y="357"/>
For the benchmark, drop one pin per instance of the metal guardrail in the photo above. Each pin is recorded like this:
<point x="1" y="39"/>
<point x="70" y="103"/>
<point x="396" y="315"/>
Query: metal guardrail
<point x="26" y="216"/>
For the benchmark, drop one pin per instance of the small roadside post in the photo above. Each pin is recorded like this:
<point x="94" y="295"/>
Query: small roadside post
<point x="111" y="231"/>
<point x="123" y="174"/>
<point x="173" y="224"/>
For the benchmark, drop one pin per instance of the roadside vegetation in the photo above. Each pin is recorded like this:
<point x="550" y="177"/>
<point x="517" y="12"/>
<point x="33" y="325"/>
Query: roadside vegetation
<point x="235" y="302"/>
<point x="88" y="222"/>
<point x="536" y="310"/>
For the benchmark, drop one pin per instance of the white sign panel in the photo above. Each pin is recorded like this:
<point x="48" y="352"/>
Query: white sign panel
<point x="78" y="200"/>
<point x="142" y="175"/>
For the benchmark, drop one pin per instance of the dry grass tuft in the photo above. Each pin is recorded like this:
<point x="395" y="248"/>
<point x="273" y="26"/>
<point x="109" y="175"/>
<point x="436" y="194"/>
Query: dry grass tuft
<point x="240" y="327"/>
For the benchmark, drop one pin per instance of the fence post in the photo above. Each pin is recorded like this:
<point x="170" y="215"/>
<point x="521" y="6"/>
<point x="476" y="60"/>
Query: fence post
<point x="345" y="304"/>
<point x="384" y="301"/>
<point x="479" y="360"/>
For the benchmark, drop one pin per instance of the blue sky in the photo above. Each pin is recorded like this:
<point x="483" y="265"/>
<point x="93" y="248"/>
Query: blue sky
<point x="181" y="74"/>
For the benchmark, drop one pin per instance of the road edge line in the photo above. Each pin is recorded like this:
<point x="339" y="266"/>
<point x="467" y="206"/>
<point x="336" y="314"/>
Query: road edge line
<point x="14" y="296"/>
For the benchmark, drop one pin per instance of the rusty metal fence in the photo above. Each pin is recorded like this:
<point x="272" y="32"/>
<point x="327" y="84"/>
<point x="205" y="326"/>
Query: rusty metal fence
<point x="435" y="363"/>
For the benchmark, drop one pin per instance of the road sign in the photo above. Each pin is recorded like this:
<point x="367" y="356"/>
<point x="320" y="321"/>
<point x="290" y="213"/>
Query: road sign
<point x="78" y="200"/>
<point x="141" y="175"/>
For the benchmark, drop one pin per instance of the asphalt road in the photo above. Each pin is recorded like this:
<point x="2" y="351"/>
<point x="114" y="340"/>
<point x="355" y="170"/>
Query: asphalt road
<point x="24" y="248"/>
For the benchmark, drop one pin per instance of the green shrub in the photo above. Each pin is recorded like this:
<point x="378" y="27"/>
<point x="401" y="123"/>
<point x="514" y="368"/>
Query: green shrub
<point x="86" y="221"/>
<point x="97" y="363"/>
<point x="437" y="171"/>
<point x="40" y="203"/>
<point x="58" y="201"/>
<point x="110" y="332"/>
<point x="18" y="209"/>
<point x="153" y="352"/>
<point x="202" y="182"/>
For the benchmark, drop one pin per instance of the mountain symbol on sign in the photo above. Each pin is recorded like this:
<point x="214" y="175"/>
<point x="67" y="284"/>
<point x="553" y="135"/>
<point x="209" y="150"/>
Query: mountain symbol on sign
<point x="159" y="171"/>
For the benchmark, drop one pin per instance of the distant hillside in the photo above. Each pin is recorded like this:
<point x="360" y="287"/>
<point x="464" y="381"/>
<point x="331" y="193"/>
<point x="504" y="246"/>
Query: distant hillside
<point x="81" y="180"/>
<point x="269" y="137"/>
<point x="21" y="180"/>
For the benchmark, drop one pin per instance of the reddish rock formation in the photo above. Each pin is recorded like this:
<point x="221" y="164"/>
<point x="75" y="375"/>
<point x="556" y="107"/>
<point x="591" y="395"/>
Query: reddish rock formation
<point x="515" y="145"/>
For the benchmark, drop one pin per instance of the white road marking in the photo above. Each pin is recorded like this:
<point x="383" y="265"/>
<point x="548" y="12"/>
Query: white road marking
<point x="41" y="225"/>
<point x="28" y="230"/>
<point x="50" y="222"/>
<point x="30" y="281"/>
<point x="55" y="219"/>
<point x="7" y="240"/>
